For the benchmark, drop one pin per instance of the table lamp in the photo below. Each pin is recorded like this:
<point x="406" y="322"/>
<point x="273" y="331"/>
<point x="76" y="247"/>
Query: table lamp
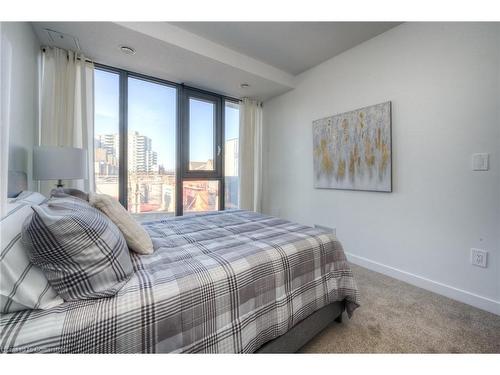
<point x="59" y="163"/>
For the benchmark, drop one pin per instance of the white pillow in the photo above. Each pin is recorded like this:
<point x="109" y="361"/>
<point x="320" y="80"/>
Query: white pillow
<point x="22" y="284"/>
<point x="136" y="236"/>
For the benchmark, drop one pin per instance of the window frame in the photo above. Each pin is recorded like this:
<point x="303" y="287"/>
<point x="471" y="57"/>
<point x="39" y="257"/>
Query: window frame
<point x="217" y="139"/>
<point x="223" y="154"/>
<point x="182" y="172"/>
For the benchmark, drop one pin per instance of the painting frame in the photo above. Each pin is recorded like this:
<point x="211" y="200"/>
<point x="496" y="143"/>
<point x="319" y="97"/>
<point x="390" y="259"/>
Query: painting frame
<point x="385" y="185"/>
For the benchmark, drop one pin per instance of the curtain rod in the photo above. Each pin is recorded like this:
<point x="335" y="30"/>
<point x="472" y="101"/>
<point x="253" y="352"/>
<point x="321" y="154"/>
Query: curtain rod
<point x="76" y="53"/>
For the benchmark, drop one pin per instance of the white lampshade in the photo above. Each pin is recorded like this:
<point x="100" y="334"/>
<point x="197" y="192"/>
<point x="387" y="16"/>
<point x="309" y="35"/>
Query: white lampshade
<point x="59" y="163"/>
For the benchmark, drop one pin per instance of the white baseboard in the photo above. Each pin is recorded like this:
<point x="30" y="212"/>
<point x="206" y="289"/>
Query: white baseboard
<point x="469" y="298"/>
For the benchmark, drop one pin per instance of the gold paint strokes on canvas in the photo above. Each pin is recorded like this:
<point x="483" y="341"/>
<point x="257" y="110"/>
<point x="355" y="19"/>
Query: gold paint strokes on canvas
<point x="345" y="126"/>
<point x="352" y="164"/>
<point x="325" y="157"/>
<point x="369" y="155"/>
<point x="341" y="169"/>
<point x="357" y="159"/>
<point x="353" y="150"/>
<point x="385" y="157"/>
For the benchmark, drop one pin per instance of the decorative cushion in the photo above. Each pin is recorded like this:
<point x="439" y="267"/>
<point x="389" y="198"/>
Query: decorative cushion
<point x="22" y="284"/>
<point x="81" y="252"/>
<point x="136" y="236"/>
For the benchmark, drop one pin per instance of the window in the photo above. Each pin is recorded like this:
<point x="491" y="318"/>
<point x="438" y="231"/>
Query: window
<point x="160" y="147"/>
<point x="106" y="132"/>
<point x="151" y="147"/>
<point x="202" y="150"/>
<point x="201" y="135"/>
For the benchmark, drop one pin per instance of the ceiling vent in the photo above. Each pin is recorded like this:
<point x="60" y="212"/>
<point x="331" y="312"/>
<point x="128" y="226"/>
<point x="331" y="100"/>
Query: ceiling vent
<point x="62" y="40"/>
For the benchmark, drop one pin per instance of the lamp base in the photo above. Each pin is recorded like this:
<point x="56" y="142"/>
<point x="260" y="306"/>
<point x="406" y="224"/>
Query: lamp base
<point x="59" y="184"/>
<point x="64" y="192"/>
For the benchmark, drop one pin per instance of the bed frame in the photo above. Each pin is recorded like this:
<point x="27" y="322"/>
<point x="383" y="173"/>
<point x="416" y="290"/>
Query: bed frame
<point x="304" y="331"/>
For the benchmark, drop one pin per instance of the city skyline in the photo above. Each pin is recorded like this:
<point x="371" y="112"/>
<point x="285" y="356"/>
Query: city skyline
<point x="151" y="188"/>
<point x="110" y="144"/>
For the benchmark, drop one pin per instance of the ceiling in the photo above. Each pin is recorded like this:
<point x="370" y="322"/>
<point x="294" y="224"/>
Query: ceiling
<point x="290" y="46"/>
<point x="216" y="56"/>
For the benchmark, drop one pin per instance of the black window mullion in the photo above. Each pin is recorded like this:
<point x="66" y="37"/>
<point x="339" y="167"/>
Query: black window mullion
<point x="222" y="132"/>
<point x="123" y="169"/>
<point x="178" y="164"/>
<point x="218" y="140"/>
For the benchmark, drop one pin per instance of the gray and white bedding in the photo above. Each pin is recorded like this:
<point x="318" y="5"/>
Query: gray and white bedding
<point x="224" y="282"/>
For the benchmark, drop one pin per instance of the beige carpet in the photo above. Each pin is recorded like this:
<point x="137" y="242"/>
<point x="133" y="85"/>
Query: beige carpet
<point x="396" y="317"/>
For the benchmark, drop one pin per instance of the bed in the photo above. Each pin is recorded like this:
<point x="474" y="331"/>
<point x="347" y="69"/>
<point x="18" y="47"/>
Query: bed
<point x="222" y="282"/>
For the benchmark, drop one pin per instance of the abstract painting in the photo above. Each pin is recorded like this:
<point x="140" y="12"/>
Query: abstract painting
<point x="352" y="150"/>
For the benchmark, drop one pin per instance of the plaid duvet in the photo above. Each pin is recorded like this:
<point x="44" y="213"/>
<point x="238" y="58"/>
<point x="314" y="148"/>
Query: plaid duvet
<point x="225" y="282"/>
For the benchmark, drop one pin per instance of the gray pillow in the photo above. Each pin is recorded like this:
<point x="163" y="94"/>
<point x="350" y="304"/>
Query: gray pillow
<point x="80" y="251"/>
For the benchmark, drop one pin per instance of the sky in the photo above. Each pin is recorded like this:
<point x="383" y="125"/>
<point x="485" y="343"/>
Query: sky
<point x="152" y="112"/>
<point x="201" y="130"/>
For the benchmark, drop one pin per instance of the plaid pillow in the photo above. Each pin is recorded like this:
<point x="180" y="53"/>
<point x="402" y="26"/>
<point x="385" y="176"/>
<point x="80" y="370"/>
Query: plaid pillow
<point x="22" y="285"/>
<point x="81" y="252"/>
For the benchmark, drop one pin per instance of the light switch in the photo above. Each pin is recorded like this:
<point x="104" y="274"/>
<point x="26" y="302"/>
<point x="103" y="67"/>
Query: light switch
<point x="480" y="162"/>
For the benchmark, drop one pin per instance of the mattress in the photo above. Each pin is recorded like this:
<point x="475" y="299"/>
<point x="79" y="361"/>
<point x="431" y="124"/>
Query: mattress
<point x="222" y="282"/>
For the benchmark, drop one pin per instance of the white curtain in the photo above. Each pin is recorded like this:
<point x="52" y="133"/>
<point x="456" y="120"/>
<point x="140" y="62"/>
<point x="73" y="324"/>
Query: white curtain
<point x="67" y="107"/>
<point x="250" y="155"/>
<point x="5" y="89"/>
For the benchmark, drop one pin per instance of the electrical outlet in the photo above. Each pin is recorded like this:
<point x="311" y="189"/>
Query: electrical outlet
<point x="479" y="257"/>
<point x="480" y="162"/>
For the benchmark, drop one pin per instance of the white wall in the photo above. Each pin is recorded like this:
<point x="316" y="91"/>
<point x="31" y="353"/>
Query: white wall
<point x="444" y="83"/>
<point x="20" y="49"/>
